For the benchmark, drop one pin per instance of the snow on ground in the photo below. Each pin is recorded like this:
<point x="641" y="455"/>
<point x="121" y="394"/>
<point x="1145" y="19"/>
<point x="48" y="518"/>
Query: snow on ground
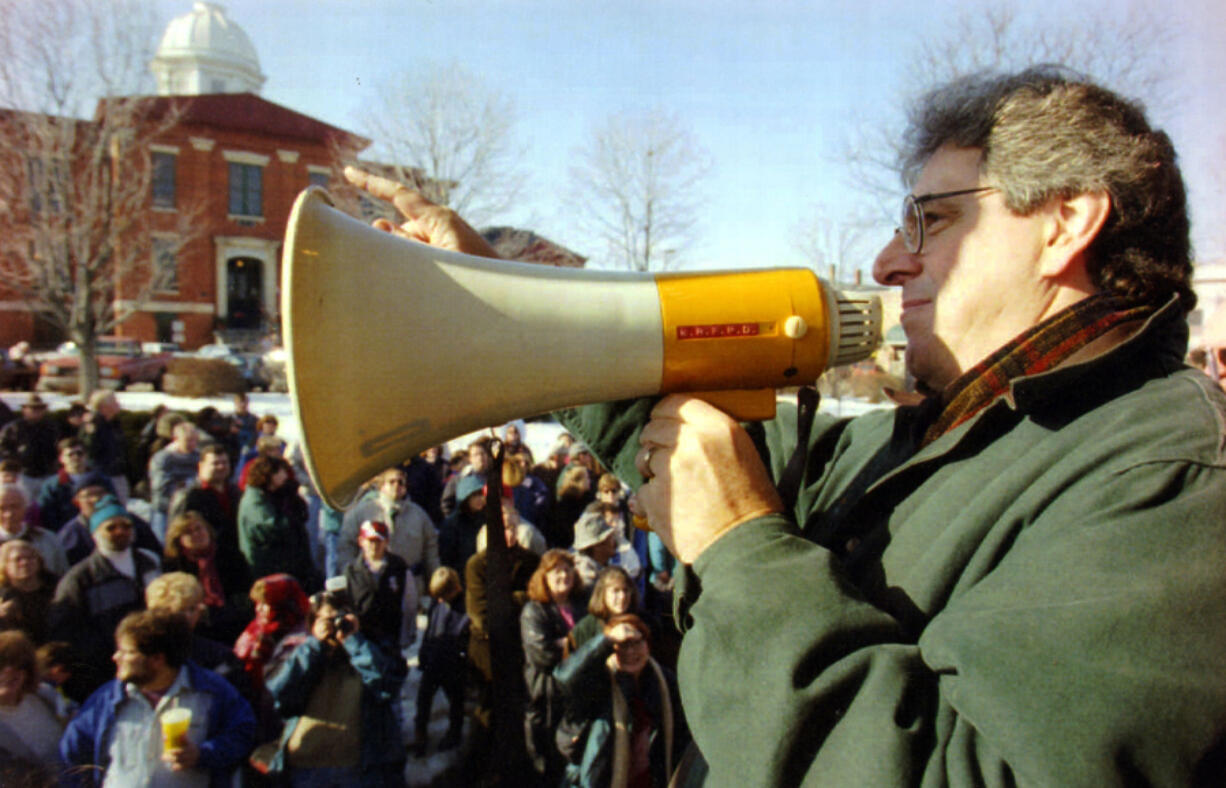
<point x="539" y="435"/>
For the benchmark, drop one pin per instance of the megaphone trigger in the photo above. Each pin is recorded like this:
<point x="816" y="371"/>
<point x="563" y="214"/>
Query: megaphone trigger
<point x="743" y="404"/>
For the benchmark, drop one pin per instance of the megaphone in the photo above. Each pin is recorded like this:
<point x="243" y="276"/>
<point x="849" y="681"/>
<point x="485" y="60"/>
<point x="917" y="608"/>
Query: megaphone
<point x="395" y="346"/>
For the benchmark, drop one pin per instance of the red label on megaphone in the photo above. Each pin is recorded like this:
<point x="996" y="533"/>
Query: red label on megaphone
<point x="718" y="331"/>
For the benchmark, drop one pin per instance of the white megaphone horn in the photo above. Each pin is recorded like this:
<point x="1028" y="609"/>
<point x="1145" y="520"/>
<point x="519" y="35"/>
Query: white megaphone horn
<point x="395" y="346"/>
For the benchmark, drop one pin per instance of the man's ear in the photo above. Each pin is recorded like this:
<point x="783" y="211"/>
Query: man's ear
<point x="1074" y="224"/>
<point x="155" y="664"/>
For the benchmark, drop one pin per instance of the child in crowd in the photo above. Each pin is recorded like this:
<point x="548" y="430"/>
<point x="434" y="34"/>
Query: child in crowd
<point x="55" y="668"/>
<point x="442" y="660"/>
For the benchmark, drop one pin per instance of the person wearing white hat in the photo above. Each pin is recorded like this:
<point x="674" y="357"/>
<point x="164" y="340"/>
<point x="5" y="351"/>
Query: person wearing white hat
<point x="382" y="589"/>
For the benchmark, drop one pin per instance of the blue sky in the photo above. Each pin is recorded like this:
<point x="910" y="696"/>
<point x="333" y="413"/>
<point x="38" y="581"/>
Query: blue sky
<point x="774" y="89"/>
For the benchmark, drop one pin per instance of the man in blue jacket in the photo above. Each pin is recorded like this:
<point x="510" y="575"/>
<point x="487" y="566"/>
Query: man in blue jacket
<point x="117" y="736"/>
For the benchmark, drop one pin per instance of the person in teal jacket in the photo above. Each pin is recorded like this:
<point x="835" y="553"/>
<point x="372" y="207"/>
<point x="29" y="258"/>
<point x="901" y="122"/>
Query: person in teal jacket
<point x="1013" y="579"/>
<point x="329" y="739"/>
<point x="625" y="724"/>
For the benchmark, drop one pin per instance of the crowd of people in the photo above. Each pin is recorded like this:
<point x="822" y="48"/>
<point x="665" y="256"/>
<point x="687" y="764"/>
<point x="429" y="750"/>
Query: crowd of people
<point x="911" y="596"/>
<point x="212" y="577"/>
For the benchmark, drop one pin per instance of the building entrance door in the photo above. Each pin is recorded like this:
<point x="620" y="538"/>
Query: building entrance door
<point x="244" y="293"/>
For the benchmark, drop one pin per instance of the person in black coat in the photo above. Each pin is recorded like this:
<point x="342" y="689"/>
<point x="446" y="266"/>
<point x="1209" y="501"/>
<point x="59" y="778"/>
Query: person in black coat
<point x="382" y="590"/>
<point x="216" y="498"/>
<point x="98" y="592"/>
<point x="545" y="623"/>
<point x="442" y="658"/>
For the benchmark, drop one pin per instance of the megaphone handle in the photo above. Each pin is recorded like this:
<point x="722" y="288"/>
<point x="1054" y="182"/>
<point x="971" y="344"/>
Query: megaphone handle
<point x="742" y="404"/>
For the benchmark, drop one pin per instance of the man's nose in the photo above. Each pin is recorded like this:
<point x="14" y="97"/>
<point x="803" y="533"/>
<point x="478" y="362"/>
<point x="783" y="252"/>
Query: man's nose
<point x="894" y="264"/>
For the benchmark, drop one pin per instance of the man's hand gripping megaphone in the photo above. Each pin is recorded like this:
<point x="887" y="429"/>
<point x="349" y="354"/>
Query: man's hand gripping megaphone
<point x="704" y="475"/>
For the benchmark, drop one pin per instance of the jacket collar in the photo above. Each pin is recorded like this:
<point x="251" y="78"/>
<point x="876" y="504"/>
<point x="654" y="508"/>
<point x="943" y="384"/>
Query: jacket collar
<point x="1155" y="349"/>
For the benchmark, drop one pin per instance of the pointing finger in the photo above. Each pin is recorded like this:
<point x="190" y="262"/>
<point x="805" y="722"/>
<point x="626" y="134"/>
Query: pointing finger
<point x="409" y="202"/>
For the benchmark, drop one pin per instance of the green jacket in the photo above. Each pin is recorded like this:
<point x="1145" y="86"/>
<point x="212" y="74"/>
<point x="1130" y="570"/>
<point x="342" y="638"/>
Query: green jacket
<point x="1036" y="598"/>
<point x="272" y="542"/>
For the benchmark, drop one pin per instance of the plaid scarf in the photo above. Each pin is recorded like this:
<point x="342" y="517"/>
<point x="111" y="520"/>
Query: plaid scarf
<point x="1037" y="349"/>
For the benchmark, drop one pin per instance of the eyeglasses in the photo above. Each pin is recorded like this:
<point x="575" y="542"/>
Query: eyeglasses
<point x="913" y="221"/>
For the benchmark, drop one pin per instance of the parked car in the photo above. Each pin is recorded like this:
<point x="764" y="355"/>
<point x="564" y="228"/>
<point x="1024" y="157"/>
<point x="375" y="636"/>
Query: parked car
<point x="153" y="348"/>
<point x="121" y="362"/>
<point x="251" y="365"/>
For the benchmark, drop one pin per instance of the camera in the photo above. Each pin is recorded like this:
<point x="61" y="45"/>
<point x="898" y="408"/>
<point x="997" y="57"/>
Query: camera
<point x="342" y="625"/>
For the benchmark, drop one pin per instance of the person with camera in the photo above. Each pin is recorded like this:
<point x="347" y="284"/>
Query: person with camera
<point x="336" y="693"/>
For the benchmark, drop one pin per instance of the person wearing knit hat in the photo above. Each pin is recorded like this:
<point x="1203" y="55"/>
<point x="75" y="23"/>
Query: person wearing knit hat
<point x="76" y="536"/>
<point x="457" y="536"/>
<point x="467" y="486"/>
<point x="95" y="594"/>
<point x="107" y="509"/>
<point x="478" y="455"/>
<point x="278" y="627"/>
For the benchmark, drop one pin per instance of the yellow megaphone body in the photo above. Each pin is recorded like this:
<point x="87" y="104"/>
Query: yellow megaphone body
<point x="395" y="346"/>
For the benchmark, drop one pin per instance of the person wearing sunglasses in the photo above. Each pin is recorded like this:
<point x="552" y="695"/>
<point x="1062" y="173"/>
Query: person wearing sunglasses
<point x="1015" y="578"/>
<point x="55" y="504"/>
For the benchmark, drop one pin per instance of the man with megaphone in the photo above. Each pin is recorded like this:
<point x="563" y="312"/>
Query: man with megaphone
<point x="1018" y="580"/>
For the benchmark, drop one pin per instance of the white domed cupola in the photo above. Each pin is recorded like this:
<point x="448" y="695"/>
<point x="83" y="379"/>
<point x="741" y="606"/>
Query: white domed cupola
<point x="204" y="52"/>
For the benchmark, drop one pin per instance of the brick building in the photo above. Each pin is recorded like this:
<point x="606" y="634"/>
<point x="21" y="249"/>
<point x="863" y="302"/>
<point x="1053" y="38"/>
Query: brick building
<point x="232" y="164"/>
<point x="229" y="168"/>
<point x="240" y="160"/>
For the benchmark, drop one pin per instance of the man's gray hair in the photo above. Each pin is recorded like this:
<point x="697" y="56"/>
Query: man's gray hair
<point x="1048" y="132"/>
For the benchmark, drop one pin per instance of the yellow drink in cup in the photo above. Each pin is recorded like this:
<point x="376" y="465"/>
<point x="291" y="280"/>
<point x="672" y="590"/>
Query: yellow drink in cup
<point x="175" y="723"/>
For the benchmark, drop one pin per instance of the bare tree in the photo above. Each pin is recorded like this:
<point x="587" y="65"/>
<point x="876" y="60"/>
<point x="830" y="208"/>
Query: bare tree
<point x="1121" y="46"/>
<point x="1123" y="50"/>
<point x="439" y="126"/>
<point x="75" y="192"/>
<point x="636" y="185"/>
<point x="834" y="240"/>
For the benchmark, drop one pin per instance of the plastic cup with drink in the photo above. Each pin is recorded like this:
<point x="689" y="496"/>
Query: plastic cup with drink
<point x="175" y="723"/>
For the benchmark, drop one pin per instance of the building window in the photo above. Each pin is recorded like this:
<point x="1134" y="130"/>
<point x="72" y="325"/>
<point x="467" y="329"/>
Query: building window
<point x="246" y="189"/>
<point x="318" y="179"/>
<point x="165" y="265"/>
<point x="48" y="184"/>
<point x="163" y="180"/>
